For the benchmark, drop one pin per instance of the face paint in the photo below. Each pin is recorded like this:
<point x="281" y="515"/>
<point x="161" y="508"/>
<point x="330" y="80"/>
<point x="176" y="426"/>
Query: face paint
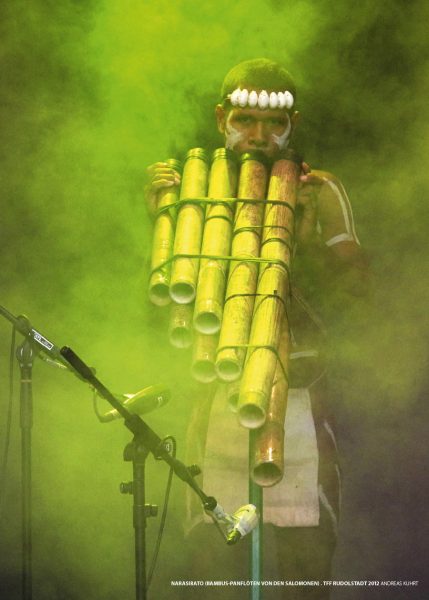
<point x="232" y="135"/>
<point x="249" y="129"/>
<point x="282" y="141"/>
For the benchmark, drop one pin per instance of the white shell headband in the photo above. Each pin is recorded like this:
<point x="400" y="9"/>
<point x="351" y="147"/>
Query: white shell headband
<point x="263" y="100"/>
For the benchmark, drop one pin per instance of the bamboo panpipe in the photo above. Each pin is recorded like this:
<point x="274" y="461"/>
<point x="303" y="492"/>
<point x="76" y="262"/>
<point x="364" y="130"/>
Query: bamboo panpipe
<point x="189" y="230"/>
<point x="204" y="355"/>
<point x="216" y="242"/>
<point x="267" y="462"/>
<point x="272" y="293"/>
<point x="262" y="235"/>
<point x="243" y="275"/>
<point x="163" y="241"/>
<point x="180" y="325"/>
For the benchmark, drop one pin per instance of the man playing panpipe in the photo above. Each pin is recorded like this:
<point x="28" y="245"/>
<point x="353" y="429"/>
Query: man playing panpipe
<point x="257" y="112"/>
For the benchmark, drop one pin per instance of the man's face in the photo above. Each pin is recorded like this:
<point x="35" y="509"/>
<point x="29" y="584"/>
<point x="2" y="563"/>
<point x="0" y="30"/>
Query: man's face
<point x="247" y="129"/>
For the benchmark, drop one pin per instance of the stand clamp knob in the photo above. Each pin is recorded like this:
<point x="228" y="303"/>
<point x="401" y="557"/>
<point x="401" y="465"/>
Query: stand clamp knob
<point x="126" y="487"/>
<point x="151" y="510"/>
<point x="194" y="470"/>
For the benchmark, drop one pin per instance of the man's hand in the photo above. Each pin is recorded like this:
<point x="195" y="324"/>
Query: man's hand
<point x="161" y="175"/>
<point x="307" y="204"/>
<point x="310" y="177"/>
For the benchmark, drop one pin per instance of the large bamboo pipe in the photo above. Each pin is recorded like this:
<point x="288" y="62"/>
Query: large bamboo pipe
<point x="216" y="242"/>
<point x="189" y="230"/>
<point x="272" y="292"/>
<point x="239" y="300"/>
<point x="267" y="463"/>
<point x="163" y="240"/>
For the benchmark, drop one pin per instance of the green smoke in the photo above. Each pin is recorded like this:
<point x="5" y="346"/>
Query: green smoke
<point x="92" y="93"/>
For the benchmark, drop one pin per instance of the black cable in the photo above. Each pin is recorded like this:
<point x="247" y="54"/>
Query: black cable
<point x="8" y="424"/>
<point x="164" y="511"/>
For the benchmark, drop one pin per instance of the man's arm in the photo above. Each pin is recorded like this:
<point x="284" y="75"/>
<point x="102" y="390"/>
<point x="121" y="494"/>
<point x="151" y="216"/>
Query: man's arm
<point x="326" y="225"/>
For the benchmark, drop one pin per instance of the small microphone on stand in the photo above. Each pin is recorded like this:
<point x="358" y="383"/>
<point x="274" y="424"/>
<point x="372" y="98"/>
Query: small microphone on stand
<point x="140" y="403"/>
<point x="239" y="524"/>
<point x="246" y="519"/>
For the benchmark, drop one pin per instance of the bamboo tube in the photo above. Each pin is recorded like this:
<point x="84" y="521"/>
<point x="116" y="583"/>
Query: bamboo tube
<point x="163" y="240"/>
<point x="243" y="275"/>
<point x="216" y="242"/>
<point x="189" y="230"/>
<point x="267" y="458"/>
<point x="204" y="355"/>
<point x="232" y="392"/>
<point x="272" y="293"/>
<point x="180" y="326"/>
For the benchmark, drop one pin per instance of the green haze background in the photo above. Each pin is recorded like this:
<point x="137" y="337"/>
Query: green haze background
<point x="91" y="93"/>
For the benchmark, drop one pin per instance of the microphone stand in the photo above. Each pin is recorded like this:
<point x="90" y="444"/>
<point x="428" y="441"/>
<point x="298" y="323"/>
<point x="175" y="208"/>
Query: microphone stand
<point x="145" y="440"/>
<point x="25" y="355"/>
<point x="33" y="343"/>
<point x="256" y="555"/>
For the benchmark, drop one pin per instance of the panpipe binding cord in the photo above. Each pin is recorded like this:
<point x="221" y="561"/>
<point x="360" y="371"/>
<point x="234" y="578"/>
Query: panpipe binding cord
<point x="216" y="242"/>
<point x="273" y="283"/>
<point x="189" y="229"/>
<point x="243" y="275"/>
<point x="163" y="240"/>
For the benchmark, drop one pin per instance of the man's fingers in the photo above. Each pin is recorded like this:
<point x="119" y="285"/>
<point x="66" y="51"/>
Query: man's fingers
<point x="151" y="168"/>
<point x="312" y="178"/>
<point x="169" y="176"/>
<point x="162" y="183"/>
<point x="162" y="169"/>
<point x="166" y="173"/>
<point x="162" y="176"/>
<point x="305" y="167"/>
<point x="308" y="177"/>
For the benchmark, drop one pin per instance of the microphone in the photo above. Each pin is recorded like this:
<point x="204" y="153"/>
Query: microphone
<point x="239" y="524"/>
<point x="245" y="520"/>
<point x="141" y="402"/>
